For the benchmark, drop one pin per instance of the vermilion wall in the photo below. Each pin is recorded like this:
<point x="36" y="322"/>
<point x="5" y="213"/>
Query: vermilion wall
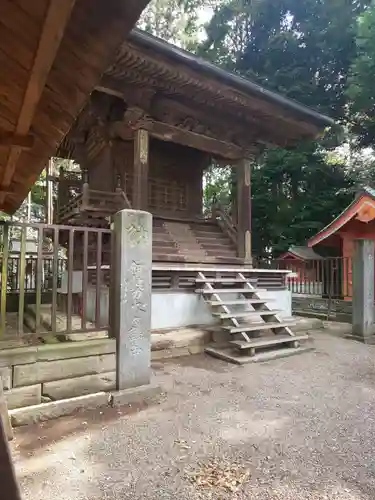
<point x="351" y="231"/>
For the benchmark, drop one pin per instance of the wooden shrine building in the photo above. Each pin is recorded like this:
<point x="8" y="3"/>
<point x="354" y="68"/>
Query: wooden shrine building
<point x="337" y="238"/>
<point x="159" y="117"/>
<point x="155" y="121"/>
<point x="300" y="260"/>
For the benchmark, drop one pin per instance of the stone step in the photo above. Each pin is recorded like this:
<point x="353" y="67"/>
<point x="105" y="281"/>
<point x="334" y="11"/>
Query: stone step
<point x="159" y="255"/>
<point x="216" y="241"/>
<point x="206" y="228"/>
<point x="159" y="237"/>
<point x="224" y="280"/>
<point x="238" y="302"/>
<point x="237" y="357"/>
<point x="220" y="253"/>
<point x="212" y="238"/>
<point x="268" y="341"/>
<point x="259" y="326"/>
<point x="229" y="290"/>
<point x="247" y="314"/>
<point x="227" y="260"/>
<point x="164" y="244"/>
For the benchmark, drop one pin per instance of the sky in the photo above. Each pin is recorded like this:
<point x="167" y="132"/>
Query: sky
<point x="204" y="15"/>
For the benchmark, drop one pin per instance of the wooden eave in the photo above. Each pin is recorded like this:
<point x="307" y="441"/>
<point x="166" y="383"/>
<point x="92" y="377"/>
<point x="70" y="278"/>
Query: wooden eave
<point x="364" y="198"/>
<point x="150" y="63"/>
<point x="52" y="54"/>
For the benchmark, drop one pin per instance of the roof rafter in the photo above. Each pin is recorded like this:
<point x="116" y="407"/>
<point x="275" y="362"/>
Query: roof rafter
<point x="10" y="139"/>
<point x="55" y="22"/>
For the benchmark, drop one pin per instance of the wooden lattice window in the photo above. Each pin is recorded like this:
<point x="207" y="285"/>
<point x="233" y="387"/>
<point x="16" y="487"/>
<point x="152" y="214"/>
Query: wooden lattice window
<point x="163" y="193"/>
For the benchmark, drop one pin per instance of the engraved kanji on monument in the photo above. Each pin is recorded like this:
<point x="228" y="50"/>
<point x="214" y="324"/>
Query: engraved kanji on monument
<point x="132" y="297"/>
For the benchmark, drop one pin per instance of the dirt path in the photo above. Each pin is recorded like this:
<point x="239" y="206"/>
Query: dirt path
<point x="297" y="428"/>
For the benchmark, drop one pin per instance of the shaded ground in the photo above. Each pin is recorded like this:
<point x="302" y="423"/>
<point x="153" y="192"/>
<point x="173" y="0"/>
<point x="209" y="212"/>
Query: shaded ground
<point x="296" y="428"/>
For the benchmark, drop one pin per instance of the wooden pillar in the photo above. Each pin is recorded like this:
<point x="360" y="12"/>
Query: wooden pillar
<point x="244" y="210"/>
<point x="49" y="192"/>
<point x="141" y="160"/>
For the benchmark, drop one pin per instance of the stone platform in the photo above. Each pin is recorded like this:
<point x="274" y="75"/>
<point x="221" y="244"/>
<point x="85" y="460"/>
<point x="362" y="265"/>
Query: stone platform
<point x="61" y="324"/>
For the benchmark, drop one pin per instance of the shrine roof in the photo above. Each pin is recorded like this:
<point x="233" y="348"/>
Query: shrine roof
<point x="166" y="72"/>
<point x="52" y="54"/>
<point x="300" y="253"/>
<point x="154" y="82"/>
<point x="362" y="208"/>
<point x="203" y="67"/>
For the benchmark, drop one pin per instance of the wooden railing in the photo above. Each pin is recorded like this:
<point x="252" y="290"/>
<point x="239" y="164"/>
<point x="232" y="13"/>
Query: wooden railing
<point x="225" y="222"/>
<point x="70" y="209"/>
<point x="13" y="284"/>
<point x="329" y="277"/>
<point x="102" y="203"/>
<point x="77" y="297"/>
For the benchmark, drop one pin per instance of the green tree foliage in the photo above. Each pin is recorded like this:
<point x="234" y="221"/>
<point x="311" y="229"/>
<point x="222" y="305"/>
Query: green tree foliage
<point x="295" y="194"/>
<point x="217" y="187"/>
<point x="302" y="49"/>
<point x="176" y="21"/>
<point x="34" y="205"/>
<point x="361" y="90"/>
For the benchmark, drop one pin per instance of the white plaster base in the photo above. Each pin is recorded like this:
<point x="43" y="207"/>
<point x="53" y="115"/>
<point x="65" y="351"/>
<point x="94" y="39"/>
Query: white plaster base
<point x="178" y="309"/>
<point x="282" y="300"/>
<point x="184" y="309"/>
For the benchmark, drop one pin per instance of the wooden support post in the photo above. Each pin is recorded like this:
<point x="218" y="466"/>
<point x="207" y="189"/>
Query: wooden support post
<point x="244" y="210"/>
<point x="49" y="192"/>
<point x="140" y="185"/>
<point x="80" y="156"/>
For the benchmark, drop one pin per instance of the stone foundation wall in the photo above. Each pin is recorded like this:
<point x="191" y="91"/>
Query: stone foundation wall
<point x="335" y="309"/>
<point x="36" y="374"/>
<point x="40" y="374"/>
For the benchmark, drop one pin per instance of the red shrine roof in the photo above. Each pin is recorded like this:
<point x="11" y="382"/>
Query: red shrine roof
<point x="299" y="253"/>
<point x="362" y="209"/>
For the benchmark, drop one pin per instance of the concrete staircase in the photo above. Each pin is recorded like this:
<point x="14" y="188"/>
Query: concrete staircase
<point x="250" y="329"/>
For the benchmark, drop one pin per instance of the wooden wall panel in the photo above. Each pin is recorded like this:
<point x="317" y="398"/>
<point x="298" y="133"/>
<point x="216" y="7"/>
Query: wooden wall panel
<point x="175" y="176"/>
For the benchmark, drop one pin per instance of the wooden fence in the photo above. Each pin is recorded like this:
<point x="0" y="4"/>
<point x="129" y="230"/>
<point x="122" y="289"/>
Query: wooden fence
<point x="66" y="268"/>
<point x="326" y="277"/>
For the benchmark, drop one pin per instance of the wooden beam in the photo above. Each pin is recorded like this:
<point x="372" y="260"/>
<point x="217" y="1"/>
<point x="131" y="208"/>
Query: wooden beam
<point x="6" y="191"/>
<point x="222" y="125"/>
<point x="140" y="183"/>
<point x="57" y="16"/>
<point x="170" y="133"/>
<point x="109" y="91"/>
<point x="21" y="141"/>
<point x="133" y="95"/>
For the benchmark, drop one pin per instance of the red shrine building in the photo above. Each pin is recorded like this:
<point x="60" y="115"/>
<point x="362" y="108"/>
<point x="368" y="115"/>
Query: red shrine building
<point x="337" y="238"/>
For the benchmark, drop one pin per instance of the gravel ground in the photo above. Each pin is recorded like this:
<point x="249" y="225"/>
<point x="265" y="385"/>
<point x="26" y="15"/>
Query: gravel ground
<point x="296" y="428"/>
